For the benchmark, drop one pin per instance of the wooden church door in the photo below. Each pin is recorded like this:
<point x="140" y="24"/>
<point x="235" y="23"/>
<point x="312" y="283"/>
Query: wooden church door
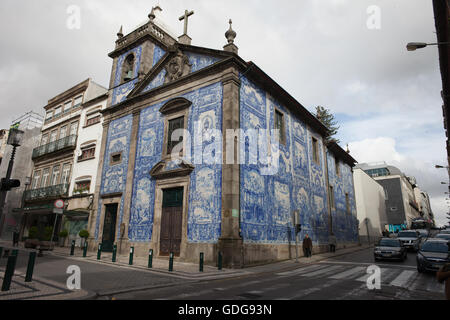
<point x="171" y="221"/>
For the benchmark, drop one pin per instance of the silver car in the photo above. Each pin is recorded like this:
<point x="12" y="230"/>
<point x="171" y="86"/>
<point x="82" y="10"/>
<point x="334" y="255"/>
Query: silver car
<point x="410" y="239"/>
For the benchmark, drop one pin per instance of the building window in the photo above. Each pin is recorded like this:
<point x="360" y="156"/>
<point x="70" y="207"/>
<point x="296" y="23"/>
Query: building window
<point x="77" y="101"/>
<point x="93" y="119"/>
<point x="333" y="205"/>
<point x="174" y="124"/>
<point x="55" y="176"/>
<point x="74" y="129"/>
<point x="36" y="177"/>
<point x="116" y="158"/>
<point x="87" y="153"/>
<point x="82" y="186"/>
<point x="49" y="115"/>
<point x="45" y="175"/>
<point x="279" y="124"/>
<point x="128" y="68"/>
<point x="53" y="135"/>
<point x="338" y="169"/>
<point x="66" y="173"/>
<point x="63" y="132"/>
<point x="315" y="149"/>
<point x="44" y="139"/>
<point x="58" y="111"/>
<point x="347" y="203"/>
<point x="67" y="106"/>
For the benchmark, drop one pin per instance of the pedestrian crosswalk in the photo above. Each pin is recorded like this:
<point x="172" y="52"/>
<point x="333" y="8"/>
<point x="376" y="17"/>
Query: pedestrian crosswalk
<point x="392" y="276"/>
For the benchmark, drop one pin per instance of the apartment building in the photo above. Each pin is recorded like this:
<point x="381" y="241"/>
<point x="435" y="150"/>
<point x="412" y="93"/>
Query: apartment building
<point x="65" y="162"/>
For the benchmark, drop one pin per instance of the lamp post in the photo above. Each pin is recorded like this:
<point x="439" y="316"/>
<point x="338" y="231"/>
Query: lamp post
<point x="412" y="46"/>
<point x="14" y="139"/>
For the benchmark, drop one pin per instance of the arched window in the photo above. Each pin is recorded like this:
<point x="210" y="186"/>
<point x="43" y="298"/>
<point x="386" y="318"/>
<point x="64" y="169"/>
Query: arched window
<point x="128" y="68"/>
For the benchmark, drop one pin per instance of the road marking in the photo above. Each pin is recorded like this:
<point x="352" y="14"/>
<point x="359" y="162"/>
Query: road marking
<point x="300" y="270"/>
<point x="349" y="273"/>
<point x="312" y="290"/>
<point x="322" y="271"/>
<point x="402" y="278"/>
<point x="369" y="264"/>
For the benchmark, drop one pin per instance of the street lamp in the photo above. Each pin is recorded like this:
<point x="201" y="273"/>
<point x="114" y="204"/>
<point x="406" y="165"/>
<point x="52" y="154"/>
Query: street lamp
<point x="14" y="139"/>
<point x="412" y="46"/>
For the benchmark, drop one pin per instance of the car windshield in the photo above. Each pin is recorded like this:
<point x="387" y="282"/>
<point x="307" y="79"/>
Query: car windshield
<point x="435" y="247"/>
<point x="407" y="234"/>
<point x="443" y="236"/>
<point x="389" y="243"/>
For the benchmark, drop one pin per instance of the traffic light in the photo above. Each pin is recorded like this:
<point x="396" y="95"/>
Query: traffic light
<point x="298" y="228"/>
<point x="8" y="184"/>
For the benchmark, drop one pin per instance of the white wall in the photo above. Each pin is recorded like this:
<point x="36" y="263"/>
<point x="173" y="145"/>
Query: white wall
<point x="370" y="206"/>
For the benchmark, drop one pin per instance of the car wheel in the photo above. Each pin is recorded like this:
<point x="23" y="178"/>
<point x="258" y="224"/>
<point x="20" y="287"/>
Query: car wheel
<point x="420" y="269"/>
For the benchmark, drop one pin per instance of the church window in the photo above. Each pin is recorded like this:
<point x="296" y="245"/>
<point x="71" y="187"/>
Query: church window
<point x="315" y="150"/>
<point x="173" y="125"/>
<point x="279" y="124"/>
<point x="332" y="201"/>
<point x="347" y="203"/>
<point x="116" y="158"/>
<point x="128" y="68"/>
<point x="338" y="169"/>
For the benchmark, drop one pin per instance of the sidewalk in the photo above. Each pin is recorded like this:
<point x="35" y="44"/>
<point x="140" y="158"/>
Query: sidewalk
<point x="185" y="270"/>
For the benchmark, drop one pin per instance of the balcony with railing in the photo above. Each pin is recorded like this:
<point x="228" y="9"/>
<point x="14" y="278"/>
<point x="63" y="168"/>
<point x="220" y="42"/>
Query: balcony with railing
<point x="69" y="142"/>
<point x="47" y="193"/>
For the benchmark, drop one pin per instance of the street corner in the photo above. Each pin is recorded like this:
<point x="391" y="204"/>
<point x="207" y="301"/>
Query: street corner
<point x="40" y="289"/>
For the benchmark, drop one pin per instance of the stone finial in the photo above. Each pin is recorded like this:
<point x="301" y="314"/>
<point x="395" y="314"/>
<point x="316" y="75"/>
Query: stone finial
<point x="152" y="16"/>
<point x="348" y="150"/>
<point x="120" y="33"/>
<point x="230" y="34"/>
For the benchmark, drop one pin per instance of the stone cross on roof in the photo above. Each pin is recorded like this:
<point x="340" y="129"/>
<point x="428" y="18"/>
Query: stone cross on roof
<point x="185" y="18"/>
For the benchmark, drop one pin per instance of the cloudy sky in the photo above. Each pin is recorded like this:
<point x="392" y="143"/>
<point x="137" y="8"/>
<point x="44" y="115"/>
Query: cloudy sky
<point x="334" y="53"/>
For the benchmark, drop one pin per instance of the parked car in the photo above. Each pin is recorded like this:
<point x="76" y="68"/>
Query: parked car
<point x="410" y="239"/>
<point x="433" y="254"/>
<point x="446" y="231"/>
<point x="444" y="236"/>
<point x="388" y="248"/>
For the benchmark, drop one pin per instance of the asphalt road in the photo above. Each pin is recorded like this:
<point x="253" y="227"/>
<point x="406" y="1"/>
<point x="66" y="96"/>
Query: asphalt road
<point x="342" y="277"/>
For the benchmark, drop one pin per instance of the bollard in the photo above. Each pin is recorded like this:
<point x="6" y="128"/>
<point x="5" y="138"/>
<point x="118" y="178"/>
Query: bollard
<point x="171" y="262"/>
<point x="30" y="267"/>
<point x="219" y="263"/>
<point x="72" y="248"/>
<point x="85" y="249"/>
<point x="1" y="252"/>
<point x="114" y="253"/>
<point x="201" y="261"/>
<point x="150" y="258"/>
<point x="11" y="265"/>
<point x="130" y="262"/>
<point x="99" y="251"/>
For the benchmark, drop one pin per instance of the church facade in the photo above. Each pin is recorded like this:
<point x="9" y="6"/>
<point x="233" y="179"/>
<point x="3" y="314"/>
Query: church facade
<point x="220" y="194"/>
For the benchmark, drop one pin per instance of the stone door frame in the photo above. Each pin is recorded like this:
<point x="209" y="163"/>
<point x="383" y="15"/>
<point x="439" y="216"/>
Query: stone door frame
<point x="183" y="182"/>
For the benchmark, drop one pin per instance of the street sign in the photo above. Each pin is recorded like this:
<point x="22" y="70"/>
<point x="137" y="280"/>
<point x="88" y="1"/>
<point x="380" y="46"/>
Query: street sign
<point x="58" y="211"/>
<point x="59" y="204"/>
